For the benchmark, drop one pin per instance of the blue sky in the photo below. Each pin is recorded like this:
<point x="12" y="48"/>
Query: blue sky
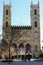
<point x="21" y="13"/>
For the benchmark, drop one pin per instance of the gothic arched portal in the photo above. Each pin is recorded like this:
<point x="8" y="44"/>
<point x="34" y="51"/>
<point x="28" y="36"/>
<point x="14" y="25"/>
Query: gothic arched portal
<point x="14" y="47"/>
<point x="21" y="46"/>
<point x="28" y="48"/>
<point x="21" y="49"/>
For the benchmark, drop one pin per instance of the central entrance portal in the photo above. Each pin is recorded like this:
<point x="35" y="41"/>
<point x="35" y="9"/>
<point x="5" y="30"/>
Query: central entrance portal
<point x="28" y="48"/>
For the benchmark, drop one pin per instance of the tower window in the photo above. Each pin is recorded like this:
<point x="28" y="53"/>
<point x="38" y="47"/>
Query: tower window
<point x="6" y="12"/>
<point x="35" y="12"/>
<point x="35" y="23"/>
<point x="6" y="24"/>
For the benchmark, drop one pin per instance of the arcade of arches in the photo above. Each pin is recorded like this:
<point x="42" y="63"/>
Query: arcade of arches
<point x="18" y="50"/>
<point x="22" y="49"/>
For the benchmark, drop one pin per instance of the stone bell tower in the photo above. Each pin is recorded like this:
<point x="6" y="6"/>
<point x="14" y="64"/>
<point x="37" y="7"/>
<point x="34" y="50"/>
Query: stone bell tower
<point x="6" y="19"/>
<point x="35" y="23"/>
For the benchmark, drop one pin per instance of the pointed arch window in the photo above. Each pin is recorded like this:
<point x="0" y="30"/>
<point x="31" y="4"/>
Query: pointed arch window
<point x="35" y="12"/>
<point x="35" y="23"/>
<point x="6" y="23"/>
<point x="7" y="12"/>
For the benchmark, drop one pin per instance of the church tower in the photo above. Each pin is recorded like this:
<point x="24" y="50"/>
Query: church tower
<point x="6" y="19"/>
<point x="35" y="23"/>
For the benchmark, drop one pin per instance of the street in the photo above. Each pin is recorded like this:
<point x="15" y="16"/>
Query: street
<point x="23" y="63"/>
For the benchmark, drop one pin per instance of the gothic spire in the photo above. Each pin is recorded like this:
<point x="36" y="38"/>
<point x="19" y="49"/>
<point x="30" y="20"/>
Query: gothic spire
<point x="3" y="2"/>
<point x="31" y="2"/>
<point x="38" y="2"/>
<point x="10" y="2"/>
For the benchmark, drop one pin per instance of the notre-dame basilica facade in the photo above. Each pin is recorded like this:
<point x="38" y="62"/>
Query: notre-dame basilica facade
<point x="23" y="39"/>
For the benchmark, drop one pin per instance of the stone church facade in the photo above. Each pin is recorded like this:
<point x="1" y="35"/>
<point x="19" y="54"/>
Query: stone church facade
<point x="24" y="39"/>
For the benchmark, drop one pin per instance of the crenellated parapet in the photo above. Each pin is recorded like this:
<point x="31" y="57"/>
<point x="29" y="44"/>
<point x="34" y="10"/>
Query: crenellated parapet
<point x="21" y="27"/>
